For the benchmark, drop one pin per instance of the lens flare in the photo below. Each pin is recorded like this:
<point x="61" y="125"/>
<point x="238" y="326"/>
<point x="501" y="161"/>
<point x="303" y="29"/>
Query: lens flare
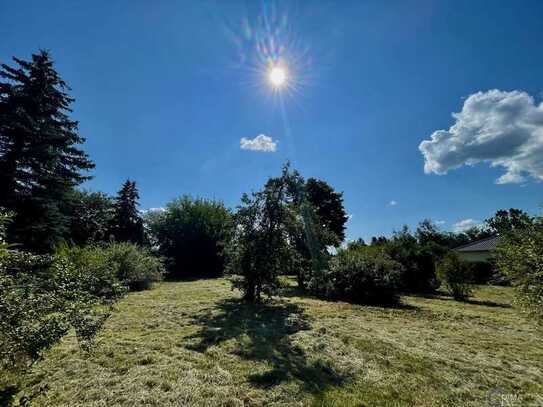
<point x="277" y="76"/>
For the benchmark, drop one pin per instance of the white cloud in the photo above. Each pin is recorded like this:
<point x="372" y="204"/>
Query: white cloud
<point x="393" y="203"/>
<point x="504" y="129"/>
<point x="259" y="143"/>
<point x="160" y="209"/>
<point x="440" y="222"/>
<point x="465" y="224"/>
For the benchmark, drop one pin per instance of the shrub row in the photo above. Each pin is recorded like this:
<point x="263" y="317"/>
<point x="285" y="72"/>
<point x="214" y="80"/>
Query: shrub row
<point x="43" y="297"/>
<point x="368" y="275"/>
<point x="133" y="266"/>
<point x="362" y="275"/>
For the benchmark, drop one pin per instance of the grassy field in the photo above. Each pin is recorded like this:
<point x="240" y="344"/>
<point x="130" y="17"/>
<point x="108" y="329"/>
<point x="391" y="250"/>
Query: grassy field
<point x="194" y="343"/>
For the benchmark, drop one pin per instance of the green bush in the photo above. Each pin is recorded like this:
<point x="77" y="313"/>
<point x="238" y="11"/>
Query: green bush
<point x="519" y="256"/>
<point x="190" y="233"/>
<point x="41" y="299"/>
<point x="363" y="275"/>
<point x="133" y="266"/>
<point x="456" y="276"/>
<point x="101" y="277"/>
<point x="417" y="254"/>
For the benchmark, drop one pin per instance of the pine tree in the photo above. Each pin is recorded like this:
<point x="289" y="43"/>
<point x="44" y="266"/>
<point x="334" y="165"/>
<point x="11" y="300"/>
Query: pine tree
<point x="40" y="162"/>
<point x="128" y="224"/>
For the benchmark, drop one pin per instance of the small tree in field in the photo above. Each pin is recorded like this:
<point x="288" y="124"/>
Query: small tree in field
<point x="259" y="248"/>
<point x="456" y="276"/>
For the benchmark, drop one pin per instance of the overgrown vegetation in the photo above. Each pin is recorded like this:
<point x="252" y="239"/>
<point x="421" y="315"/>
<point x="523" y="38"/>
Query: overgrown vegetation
<point x="520" y="257"/>
<point x="456" y="276"/>
<point x="47" y="292"/>
<point x="362" y="275"/>
<point x="190" y="234"/>
<point x="92" y="215"/>
<point x="42" y="297"/>
<point x="125" y="263"/>
<point x="66" y="256"/>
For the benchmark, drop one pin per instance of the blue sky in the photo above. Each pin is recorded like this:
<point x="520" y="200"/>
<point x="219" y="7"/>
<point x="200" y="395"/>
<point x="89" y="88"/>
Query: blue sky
<point x="165" y="91"/>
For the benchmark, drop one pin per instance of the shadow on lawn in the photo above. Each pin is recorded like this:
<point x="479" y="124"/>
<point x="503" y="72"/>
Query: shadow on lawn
<point x="264" y="334"/>
<point x="6" y="394"/>
<point x="444" y="297"/>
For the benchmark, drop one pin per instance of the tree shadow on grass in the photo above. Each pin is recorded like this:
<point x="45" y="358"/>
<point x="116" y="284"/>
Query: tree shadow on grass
<point x="487" y="303"/>
<point x="445" y="297"/>
<point x="295" y="291"/>
<point x="6" y="394"/>
<point x="264" y="333"/>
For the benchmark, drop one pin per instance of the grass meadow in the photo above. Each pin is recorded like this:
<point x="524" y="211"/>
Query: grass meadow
<point x="194" y="343"/>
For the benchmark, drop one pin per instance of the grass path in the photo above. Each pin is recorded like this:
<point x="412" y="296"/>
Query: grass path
<point x="193" y="343"/>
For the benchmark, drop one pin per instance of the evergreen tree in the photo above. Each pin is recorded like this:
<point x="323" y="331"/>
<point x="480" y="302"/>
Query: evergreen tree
<point x="127" y="222"/>
<point x="40" y="163"/>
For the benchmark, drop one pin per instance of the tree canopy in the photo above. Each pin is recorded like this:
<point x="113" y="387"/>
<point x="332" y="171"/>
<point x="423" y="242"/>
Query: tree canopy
<point x="505" y="221"/>
<point x="329" y="206"/>
<point x="40" y="161"/>
<point x="190" y="233"/>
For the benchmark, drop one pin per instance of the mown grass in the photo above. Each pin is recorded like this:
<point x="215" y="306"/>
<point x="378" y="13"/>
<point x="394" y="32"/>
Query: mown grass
<point x="194" y="343"/>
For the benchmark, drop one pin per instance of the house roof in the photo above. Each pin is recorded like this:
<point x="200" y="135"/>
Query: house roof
<point x="483" y="245"/>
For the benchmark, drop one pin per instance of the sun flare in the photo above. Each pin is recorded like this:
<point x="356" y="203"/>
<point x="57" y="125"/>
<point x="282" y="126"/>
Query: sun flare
<point x="277" y="76"/>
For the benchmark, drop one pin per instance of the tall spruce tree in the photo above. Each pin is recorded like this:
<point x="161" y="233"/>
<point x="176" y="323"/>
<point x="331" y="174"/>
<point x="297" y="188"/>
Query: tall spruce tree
<point x="127" y="222"/>
<point x="40" y="162"/>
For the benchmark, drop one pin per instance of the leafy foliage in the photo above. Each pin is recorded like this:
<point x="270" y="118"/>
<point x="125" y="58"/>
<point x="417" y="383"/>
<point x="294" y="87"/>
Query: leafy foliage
<point x="363" y="275"/>
<point x="259" y="249"/>
<point x="456" y="276"/>
<point x="115" y="264"/>
<point x="91" y="217"/>
<point x="40" y="162"/>
<point x="190" y="233"/>
<point x="506" y="221"/>
<point x="5" y="218"/>
<point x="329" y="206"/>
<point x="318" y="222"/>
<point x="41" y="298"/>
<point x="520" y="257"/>
<point x="417" y="253"/>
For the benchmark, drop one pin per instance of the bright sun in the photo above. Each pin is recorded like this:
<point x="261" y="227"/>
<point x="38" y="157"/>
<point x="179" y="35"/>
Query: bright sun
<point x="277" y="76"/>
